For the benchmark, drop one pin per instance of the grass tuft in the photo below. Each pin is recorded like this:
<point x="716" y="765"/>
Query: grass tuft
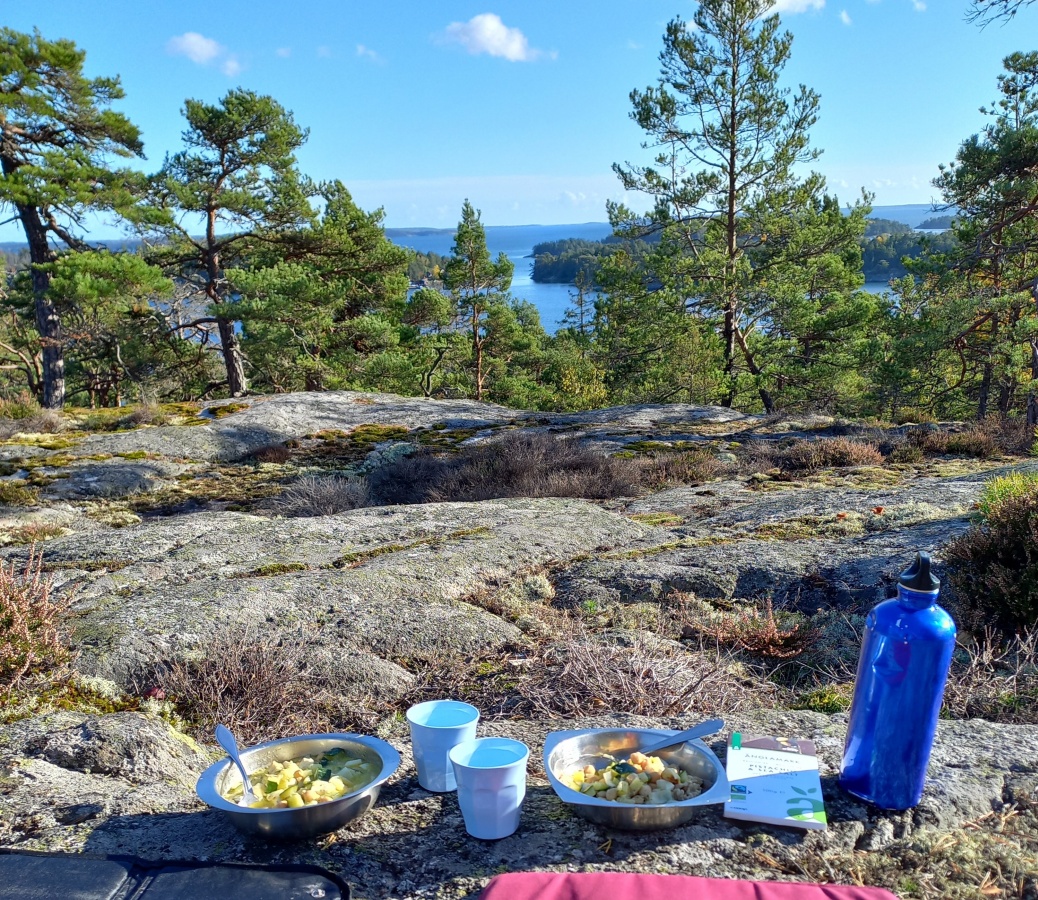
<point x="325" y="495"/>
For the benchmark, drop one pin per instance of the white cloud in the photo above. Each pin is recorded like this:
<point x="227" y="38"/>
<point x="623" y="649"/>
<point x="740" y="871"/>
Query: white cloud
<point x="284" y="52"/>
<point x="324" y="51"/>
<point x="196" y="47"/>
<point x="486" y="33"/>
<point x="369" y="53"/>
<point x="845" y="17"/>
<point x="204" y="52"/>
<point x="796" y="6"/>
<point x="918" y="5"/>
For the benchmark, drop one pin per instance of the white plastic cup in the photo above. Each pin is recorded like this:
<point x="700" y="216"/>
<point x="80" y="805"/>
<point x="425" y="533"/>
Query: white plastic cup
<point x="436" y="726"/>
<point x="491" y="777"/>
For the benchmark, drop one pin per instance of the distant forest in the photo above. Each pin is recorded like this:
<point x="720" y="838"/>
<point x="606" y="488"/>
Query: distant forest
<point x="884" y="247"/>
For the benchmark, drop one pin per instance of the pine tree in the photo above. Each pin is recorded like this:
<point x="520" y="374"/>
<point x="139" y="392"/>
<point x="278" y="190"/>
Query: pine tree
<point x="58" y="138"/>
<point x="238" y="184"/>
<point x="994" y="184"/>
<point x="728" y="139"/>
<point x="477" y="283"/>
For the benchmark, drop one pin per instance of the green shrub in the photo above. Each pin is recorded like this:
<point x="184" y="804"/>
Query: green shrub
<point x="24" y="406"/>
<point x="1005" y="487"/>
<point x="14" y="493"/>
<point x="994" y="566"/>
<point x="909" y="415"/>
<point x="831" y="698"/>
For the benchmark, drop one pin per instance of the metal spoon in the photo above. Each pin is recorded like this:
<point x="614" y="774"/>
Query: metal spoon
<point x="696" y="731"/>
<point x="226" y="740"/>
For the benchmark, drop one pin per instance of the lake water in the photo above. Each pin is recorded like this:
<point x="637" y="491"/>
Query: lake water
<point x="517" y="243"/>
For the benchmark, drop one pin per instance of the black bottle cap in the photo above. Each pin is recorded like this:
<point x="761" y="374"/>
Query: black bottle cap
<point x="917" y="577"/>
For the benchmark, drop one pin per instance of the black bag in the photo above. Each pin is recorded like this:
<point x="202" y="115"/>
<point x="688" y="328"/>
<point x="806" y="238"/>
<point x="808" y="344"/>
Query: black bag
<point x="27" y="875"/>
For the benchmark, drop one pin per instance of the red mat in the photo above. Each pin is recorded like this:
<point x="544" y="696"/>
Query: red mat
<point x="627" y="886"/>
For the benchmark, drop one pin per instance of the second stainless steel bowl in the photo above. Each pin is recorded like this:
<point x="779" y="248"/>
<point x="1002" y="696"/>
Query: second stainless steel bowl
<point x="565" y="751"/>
<point x="305" y="821"/>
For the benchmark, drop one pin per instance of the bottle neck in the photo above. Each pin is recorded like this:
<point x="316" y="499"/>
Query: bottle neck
<point x="916" y="599"/>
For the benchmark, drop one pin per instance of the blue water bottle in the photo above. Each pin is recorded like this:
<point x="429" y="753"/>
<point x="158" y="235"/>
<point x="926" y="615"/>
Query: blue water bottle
<point x="905" y="655"/>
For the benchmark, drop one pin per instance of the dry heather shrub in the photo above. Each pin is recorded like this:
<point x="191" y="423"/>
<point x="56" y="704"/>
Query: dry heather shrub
<point x="31" y="533"/>
<point x="24" y="414"/>
<point x="146" y="414"/>
<point x="259" y="685"/>
<point x="487" y="681"/>
<point x="516" y="465"/>
<point x="980" y="440"/>
<point x="758" y="456"/>
<point x="1010" y="434"/>
<point x="321" y="496"/>
<point x="994" y="565"/>
<point x="760" y="632"/>
<point x="689" y="467"/>
<point x="906" y="452"/>
<point x="273" y="453"/>
<point x="825" y="453"/>
<point x="581" y="677"/>
<point x="995" y="679"/>
<point x="29" y="614"/>
<point x="47" y="421"/>
<point x="23" y="406"/>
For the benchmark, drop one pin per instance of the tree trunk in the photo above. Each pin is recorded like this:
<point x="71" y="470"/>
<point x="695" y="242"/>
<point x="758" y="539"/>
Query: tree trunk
<point x="48" y="324"/>
<point x="731" y="312"/>
<point x="477" y="351"/>
<point x="48" y="320"/>
<point x="756" y="371"/>
<point x="232" y="358"/>
<point x="985" y="391"/>
<point x="1032" y="390"/>
<point x="729" y="356"/>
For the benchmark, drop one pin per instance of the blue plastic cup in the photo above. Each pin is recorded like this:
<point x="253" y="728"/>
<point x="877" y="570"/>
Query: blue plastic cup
<point x="491" y="777"/>
<point x="436" y="726"/>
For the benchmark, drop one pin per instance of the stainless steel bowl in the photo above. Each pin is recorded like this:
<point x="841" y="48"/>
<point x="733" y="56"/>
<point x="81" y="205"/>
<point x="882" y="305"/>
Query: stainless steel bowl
<point x="568" y="750"/>
<point x="306" y="821"/>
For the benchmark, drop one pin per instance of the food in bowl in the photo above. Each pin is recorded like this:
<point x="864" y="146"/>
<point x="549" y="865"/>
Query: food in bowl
<point x="305" y="781"/>
<point x="640" y="779"/>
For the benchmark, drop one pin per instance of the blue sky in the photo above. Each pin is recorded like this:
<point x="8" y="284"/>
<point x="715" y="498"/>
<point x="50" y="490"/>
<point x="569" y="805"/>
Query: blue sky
<point x="523" y="106"/>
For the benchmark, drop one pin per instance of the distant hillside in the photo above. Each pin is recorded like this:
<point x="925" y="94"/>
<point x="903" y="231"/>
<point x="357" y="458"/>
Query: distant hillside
<point x="912" y="214"/>
<point x="513" y="240"/>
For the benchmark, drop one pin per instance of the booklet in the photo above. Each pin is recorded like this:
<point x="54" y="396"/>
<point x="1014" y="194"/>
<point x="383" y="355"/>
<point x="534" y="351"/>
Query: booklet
<point x="774" y="780"/>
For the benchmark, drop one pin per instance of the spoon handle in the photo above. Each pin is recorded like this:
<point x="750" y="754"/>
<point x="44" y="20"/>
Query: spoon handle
<point x="226" y="740"/>
<point x="696" y="731"/>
